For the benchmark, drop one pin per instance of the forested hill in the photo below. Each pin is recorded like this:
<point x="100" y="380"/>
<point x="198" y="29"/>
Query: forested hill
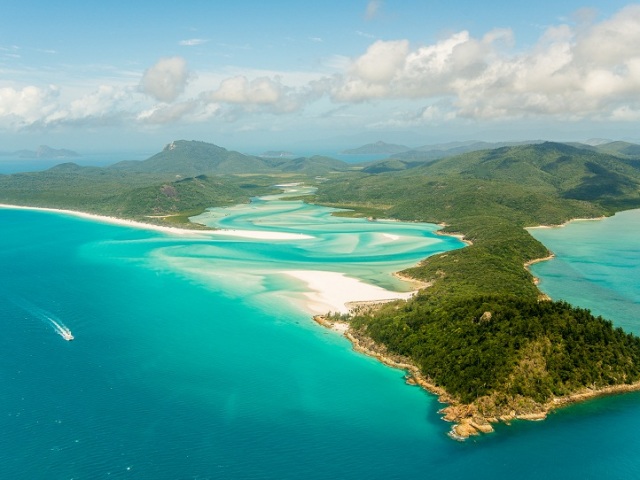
<point x="188" y="158"/>
<point x="491" y="197"/>
<point x="573" y="173"/>
<point x="479" y="331"/>
<point x="191" y="158"/>
<point x="183" y="179"/>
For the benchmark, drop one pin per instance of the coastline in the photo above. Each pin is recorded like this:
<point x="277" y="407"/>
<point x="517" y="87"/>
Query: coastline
<point x="536" y="280"/>
<point x="466" y="419"/>
<point x="196" y="233"/>
<point x="459" y="236"/>
<point x="564" y="224"/>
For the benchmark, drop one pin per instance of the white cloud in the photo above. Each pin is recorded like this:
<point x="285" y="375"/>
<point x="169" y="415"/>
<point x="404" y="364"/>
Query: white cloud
<point x="364" y="34"/>
<point x="192" y="42"/>
<point x="26" y="106"/>
<point x="264" y="93"/>
<point x="373" y="8"/>
<point x="240" y="90"/>
<point x="589" y="71"/>
<point x="166" y="80"/>
<point x="583" y="71"/>
<point x="165" y="114"/>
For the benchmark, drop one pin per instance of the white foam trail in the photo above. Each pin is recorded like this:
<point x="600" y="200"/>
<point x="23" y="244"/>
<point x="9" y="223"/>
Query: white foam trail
<point x="61" y="329"/>
<point x="44" y="316"/>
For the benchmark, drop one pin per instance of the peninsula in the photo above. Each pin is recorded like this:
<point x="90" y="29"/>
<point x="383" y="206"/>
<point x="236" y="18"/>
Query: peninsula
<point x="481" y="335"/>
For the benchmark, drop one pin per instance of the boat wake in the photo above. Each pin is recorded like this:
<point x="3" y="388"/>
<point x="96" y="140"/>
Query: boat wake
<point x="61" y="329"/>
<point x="44" y="316"/>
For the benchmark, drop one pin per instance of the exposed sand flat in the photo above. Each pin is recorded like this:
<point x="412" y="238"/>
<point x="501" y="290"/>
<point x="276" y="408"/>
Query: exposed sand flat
<point x="261" y="235"/>
<point x="255" y="234"/>
<point x="391" y="236"/>
<point x="332" y="291"/>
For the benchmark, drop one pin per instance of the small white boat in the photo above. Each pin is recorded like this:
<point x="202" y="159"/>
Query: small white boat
<point x="67" y="335"/>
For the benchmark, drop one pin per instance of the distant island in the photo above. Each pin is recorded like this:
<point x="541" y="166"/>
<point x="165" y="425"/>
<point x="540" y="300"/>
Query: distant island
<point x="43" y="152"/>
<point x="479" y="333"/>
<point x="377" y="148"/>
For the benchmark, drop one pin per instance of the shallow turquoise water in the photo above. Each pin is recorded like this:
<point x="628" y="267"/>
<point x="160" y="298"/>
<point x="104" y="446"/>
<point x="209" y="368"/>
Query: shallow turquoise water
<point x="597" y="266"/>
<point x="176" y="373"/>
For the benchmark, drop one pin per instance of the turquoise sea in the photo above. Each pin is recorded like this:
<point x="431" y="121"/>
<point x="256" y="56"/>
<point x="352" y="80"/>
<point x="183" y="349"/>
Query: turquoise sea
<point x="196" y="358"/>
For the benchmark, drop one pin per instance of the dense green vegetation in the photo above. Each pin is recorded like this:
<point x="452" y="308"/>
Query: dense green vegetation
<point x="137" y="196"/>
<point x="506" y="346"/>
<point x="192" y="158"/>
<point x="181" y="181"/>
<point x="529" y="348"/>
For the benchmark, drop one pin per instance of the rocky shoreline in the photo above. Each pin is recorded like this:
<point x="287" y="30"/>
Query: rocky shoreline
<point x="468" y="419"/>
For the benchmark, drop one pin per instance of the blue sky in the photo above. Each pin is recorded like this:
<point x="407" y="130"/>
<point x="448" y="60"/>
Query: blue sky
<point x="254" y="75"/>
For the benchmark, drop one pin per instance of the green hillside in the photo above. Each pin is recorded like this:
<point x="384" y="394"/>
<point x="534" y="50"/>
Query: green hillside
<point x="190" y="158"/>
<point x="571" y="172"/>
<point x="127" y="194"/>
<point x="529" y="351"/>
<point x="183" y="179"/>
<point x="620" y="149"/>
<point x="311" y="166"/>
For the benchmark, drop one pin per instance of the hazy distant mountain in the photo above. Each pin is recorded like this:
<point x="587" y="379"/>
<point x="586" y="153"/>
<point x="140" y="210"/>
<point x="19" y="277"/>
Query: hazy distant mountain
<point x="620" y="149"/>
<point x="43" y="152"/>
<point x="377" y="148"/>
<point x="429" y="153"/>
<point x="442" y="150"/>
<point x="316" y="165"/>
<point x="594" y="142"/>
<point x="626" y="150"/>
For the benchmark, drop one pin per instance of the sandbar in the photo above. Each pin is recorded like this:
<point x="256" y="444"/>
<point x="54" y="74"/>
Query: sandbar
<point x="334" y="291"/>
<point x="262" y="234"/>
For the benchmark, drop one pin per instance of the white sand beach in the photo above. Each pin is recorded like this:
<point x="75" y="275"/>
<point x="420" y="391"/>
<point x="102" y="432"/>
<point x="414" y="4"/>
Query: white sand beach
<point x="253" y="234"/>
<point x="331" y="291"/>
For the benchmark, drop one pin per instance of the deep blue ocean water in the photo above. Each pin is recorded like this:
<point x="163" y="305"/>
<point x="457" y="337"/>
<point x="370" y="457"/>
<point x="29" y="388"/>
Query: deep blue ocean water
<point x="174" y="374"/>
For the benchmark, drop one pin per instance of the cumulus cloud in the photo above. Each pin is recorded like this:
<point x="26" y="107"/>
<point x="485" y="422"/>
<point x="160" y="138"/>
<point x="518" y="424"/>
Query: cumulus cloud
<point x="26" y="106"/>
<point x="586" y="70"/>
<point x="577" y="72"/>
<point x="166" y="80"/>
<point x="262" y="93"/>
<point x="240" y="90"/>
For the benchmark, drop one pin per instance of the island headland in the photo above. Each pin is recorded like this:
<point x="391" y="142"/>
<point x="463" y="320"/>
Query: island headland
<point x="481" y="335"/>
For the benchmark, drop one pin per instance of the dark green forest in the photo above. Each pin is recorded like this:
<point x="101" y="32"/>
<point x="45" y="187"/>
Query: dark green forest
<point x="506" y="346"/>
